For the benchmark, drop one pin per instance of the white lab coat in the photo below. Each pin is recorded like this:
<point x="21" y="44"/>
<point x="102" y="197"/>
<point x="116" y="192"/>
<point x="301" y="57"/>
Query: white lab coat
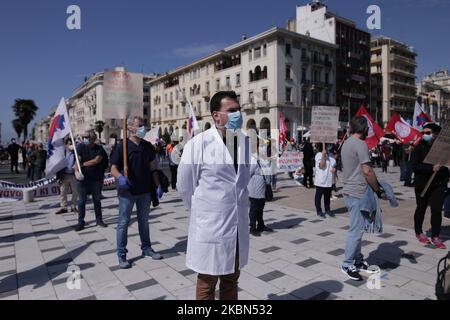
<point x="218" y="200"/>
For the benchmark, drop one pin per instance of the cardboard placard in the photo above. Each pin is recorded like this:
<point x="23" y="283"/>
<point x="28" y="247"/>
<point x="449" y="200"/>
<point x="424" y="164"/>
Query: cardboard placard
<point x="324" y="124"/>
<point x="440" y="150"/>
<point x="123" y="95"/>
<point x="290" y="161"/>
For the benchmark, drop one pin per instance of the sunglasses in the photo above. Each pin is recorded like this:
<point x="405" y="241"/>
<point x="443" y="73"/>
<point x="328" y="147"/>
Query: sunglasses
<point x="427" y="133"/>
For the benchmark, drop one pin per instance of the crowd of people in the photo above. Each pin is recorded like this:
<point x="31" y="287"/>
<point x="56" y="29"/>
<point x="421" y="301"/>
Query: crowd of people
<point x="30" y="157"/>
<point x="226" y="189"/>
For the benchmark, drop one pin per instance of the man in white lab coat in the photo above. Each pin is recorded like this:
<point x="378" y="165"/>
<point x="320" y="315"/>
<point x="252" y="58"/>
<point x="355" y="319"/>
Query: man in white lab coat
<point x="212" y="180"/>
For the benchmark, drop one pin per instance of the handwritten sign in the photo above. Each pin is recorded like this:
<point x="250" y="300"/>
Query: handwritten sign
<point x="324" y="124"/>
<point x="440" y="151"/>
<point x="290" y="161"/>
<point x="123" y="95"/>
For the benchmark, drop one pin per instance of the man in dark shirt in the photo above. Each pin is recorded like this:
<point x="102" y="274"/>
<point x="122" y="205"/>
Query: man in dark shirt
<point x="91" y="181"/>
<point x="135" y="189"/>
<point x="434" y="197"/>
<point x="308" y="164"/>
<point x="13" y="150"/>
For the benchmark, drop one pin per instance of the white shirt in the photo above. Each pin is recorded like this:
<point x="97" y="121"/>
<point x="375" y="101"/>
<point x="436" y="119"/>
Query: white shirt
<point x="324" y="177"/>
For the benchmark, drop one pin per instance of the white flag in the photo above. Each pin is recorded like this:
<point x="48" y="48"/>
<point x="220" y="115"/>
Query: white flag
<point x="192" y="126"/>
<point x="59" y="129"/>
<point x="420" y="117"/>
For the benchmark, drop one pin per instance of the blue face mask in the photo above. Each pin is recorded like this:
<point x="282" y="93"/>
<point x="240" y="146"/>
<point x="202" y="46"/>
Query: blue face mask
<point x="86" y="141"/>
<point x="235" y="121"/>
<point x="427" y="137"/>
<point x="141" y="132"/>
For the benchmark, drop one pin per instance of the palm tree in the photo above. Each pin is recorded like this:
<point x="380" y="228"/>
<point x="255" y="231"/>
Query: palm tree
<point x="25" y="111"/>
<point x="99" y="125"/>
<point x="18" y="127"/>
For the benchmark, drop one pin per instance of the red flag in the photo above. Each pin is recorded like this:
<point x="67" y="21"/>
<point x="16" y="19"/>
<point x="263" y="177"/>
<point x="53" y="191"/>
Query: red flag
<point x="402" y="129"/>
<point x="283" y="130"/>
<point x="375" y="132"/>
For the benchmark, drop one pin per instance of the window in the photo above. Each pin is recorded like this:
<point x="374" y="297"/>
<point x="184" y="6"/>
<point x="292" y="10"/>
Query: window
<point x="288" y="49"/>
<point x="238" y="80"/>
<point x="303" y="74"/>
<point x="146" y="98"/>
<point x="264" y="50"/>
<point x="250" y="55"/>
<point x="238" y="98"/>
<point x="258" y="53"/>
<point x="327" y="78"/>
<point x="288" y="72"/>
<point x="145" y="111"/>
<point x="265" y="95"/>
<point x="288" y="94"/>
<point x="228" y="82"/>
<point x="207" y="86"/>
<point x="251" y="97"/>
<point x="218" y="84"/>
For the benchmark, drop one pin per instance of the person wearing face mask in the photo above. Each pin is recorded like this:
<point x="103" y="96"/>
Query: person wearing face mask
<point x="213" y="176"/>
<point x="13" y="150"/>
<point x="66" y="179"/>
<point x="358" y="177"/>
<point x="434" y="197"/>
<point x="136" y="188"/>
<point x="90" y="178"/>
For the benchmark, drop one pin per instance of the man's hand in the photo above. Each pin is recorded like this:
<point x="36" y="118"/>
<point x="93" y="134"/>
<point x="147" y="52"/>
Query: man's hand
<point x="436" y="167"/>
<point x="124" y="183"/>
<point x="79" y="176"/>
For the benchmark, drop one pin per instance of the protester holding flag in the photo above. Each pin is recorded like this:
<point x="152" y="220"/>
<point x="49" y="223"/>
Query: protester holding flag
<point x="91" y="182"/>
<point x="434" y="197"/>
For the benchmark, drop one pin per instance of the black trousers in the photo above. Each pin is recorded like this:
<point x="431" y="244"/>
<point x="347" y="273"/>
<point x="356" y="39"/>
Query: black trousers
<point x="256" y="213"/>
<point x="173" y="172"/>
<point x="326" y="193"/>
<point x="435" y="199"/>
<point x="308" y="178"/>
<point x="14" y="164"/>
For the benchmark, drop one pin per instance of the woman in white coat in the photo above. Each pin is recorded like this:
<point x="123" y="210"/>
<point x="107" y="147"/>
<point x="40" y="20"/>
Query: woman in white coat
<point x="212" y="180"/>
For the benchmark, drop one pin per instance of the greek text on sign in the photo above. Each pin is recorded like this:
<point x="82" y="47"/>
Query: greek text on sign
<point x="123" y="95"/>
<point x="290" y="161"/>
<point x="440" y="151"/>
<point x="324" y="124"/>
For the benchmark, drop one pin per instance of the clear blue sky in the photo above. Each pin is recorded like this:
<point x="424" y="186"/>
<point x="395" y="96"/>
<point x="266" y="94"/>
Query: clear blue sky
<point x="40" y="59"/>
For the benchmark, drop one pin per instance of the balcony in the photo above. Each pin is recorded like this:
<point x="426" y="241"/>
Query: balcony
<point x="249" y="106"/>
<point x="399" y="58"/>
<point x="305" y="83"/>
<point x="170" y="103"/>
<point x="411" y="97"/>
<point x="263" y="104"/>
<point x="403" y="72"/>
<point x="403" y="84"/>
<point x="318" y="63"/>
<point x="305" y="59"/>
<point x="156" y="119"/>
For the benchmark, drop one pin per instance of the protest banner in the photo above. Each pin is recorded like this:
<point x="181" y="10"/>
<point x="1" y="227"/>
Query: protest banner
<point x="42" y="188"/>
<point x="290" y="161"/>
<point x="324" y="124"/>
<point x="439" y="152"/>
<point x="123" y="97"/>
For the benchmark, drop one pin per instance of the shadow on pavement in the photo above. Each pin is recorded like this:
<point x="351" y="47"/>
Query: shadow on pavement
<point x="328" y="288"/>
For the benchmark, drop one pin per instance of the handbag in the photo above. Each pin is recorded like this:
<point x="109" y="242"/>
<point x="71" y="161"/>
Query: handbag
<point x="268" y="191"/>
<point x="443" y="279"/>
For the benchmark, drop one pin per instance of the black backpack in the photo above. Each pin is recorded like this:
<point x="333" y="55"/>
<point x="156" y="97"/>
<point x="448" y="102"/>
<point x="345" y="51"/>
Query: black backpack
<point x="443" y="279"/>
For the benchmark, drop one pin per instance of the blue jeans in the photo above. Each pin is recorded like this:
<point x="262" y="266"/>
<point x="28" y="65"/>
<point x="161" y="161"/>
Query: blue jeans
<point x="353" y="253"/>
<point x="273" y="180"/>
<point x="95" y="189"/>
<point x="126" y="204"/>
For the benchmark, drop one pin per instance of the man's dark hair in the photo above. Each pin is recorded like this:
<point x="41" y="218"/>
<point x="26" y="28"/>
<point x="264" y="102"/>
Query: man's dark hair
<point x="433" y="127"/>
<point x="216" y="100"/>
<point x="358" y="125"/>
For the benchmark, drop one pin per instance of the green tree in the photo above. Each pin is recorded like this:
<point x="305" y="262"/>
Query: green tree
<point x="99" y="125"/>
<point x="25" y="111"/>
<point x="18" y="127"/>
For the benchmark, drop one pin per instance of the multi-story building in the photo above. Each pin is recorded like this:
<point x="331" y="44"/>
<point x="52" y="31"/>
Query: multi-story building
<point x="434" y="93"/>
<point x="277" y="70"/>
<point x="393" y="69"/>
<point x="352" y="56"/>
<point x="40" y="130"/>
<point x="86" y="105"/>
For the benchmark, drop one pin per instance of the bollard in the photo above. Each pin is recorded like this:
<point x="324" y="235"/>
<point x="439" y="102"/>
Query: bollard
<point x="28" y="195"/>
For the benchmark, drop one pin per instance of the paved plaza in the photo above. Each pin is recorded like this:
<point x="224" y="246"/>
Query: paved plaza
<point x="300" y="260"/>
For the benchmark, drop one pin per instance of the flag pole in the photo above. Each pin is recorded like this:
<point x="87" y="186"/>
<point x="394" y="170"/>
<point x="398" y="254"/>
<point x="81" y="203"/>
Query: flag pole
<point x="125" y="158"/>
<point x="77" y="159"/>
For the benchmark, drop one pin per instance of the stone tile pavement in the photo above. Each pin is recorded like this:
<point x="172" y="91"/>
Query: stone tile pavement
<point x="300" y="260"/>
